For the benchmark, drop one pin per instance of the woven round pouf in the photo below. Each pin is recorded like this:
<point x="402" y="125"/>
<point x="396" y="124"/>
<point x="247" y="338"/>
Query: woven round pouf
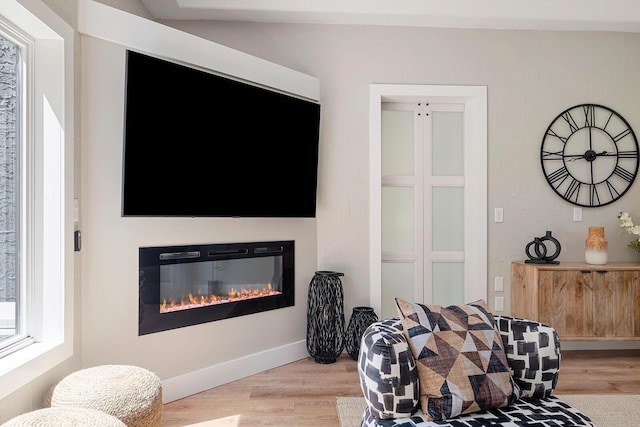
<point x="58" y="417"/>
<point x="130" y="393"/>
<point x="46" y="402"/>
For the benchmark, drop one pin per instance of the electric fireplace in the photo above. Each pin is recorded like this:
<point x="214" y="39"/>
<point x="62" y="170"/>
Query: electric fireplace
<point x="188" y="285"/>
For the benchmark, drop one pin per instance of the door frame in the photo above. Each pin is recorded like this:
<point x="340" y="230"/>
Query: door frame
<point x="475" y="166"/>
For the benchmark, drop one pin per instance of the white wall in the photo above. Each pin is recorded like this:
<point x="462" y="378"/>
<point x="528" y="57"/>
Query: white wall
<point x="531" y="77"/>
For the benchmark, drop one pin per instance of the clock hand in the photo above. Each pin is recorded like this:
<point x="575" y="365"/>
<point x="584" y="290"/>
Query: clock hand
<point x="589" y="155"/>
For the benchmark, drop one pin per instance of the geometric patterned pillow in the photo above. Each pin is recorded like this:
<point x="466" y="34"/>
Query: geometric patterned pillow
<point x="533" y="352"/>
<point x="460" y="356"/>
<point x="387" y="371"/>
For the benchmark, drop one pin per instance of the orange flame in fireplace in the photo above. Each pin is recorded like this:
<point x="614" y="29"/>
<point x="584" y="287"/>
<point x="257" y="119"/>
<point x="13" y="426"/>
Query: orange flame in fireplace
<point x="196" y="301"/>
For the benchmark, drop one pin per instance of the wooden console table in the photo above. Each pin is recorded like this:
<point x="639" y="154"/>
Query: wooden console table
<point x="583" y="302"/>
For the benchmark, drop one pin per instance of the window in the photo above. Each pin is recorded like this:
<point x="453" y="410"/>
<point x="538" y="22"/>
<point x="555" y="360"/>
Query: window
<point x="36" y="192"/>
<point x="11" y="329"/>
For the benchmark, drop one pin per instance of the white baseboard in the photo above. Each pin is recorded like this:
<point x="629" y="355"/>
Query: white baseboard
<point x="184" y="385"/>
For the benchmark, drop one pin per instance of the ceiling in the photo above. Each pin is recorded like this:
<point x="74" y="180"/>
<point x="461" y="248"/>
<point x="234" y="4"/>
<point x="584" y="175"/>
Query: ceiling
<point x="572" y="15"/>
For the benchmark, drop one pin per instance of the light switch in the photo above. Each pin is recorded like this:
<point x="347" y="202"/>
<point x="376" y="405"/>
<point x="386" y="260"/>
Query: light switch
<point x="498" y="215"/>
<point x="577" y="214"/>
<point x="499" y="304"/>
<point x="498" y="284"/>
<point x="76" y="210"/>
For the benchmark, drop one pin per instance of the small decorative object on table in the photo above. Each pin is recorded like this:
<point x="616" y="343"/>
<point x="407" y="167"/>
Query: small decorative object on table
<point x="541" y="250"/>
<point x="595" y="247"/>
<point x="627" y="224"/>
<point x="325" y="317"/>
<point x="361" y="318"/>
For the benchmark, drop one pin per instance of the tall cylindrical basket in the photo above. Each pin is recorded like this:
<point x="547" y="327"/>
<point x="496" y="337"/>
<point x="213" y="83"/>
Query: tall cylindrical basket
<point x="360" y="320"/>
<point x="325" y="317"/>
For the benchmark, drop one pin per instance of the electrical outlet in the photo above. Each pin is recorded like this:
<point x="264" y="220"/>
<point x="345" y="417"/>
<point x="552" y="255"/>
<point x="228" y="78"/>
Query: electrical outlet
<point x="498" y="215"/>
<point x="498" y="284"/>
<point x="499" y="304"/>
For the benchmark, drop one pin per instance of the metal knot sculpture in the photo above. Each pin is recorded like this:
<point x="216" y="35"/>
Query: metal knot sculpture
<point x="541" y="250"/>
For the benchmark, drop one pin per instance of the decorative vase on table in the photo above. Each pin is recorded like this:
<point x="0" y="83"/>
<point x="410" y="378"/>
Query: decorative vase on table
<point x="596" y="246"/>
<point x="360" y="320"/>
<point x="325" y="317"/>
<point x="541" y="253"/>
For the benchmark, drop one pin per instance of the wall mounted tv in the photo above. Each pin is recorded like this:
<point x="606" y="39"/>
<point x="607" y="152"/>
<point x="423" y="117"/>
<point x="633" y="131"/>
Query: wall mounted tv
<point x="198" y="144"/>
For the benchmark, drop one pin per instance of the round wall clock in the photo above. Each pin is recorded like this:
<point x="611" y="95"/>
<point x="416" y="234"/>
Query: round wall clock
<point x="589" y="155"/>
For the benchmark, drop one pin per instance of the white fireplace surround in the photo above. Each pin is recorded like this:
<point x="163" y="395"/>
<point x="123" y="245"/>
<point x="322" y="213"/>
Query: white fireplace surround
<point x="105" y="23"/>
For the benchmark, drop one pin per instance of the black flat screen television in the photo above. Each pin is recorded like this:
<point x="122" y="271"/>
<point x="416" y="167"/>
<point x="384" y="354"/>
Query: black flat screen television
<point x="198" y="144"/>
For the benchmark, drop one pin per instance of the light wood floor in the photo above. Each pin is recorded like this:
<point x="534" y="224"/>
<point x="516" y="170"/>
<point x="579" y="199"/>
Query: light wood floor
<point x="304" y="393"/>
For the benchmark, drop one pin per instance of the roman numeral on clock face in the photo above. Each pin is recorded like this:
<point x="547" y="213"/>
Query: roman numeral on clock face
<point x="559" y="175"/>
<point x="612" y="190"/>
<point x="570" y="121"/>
<point x="551" y="132"/>
<point x="547" y="155"/>
<point x="589" y="115"/>
<point x="594" y="198"/>
<point x="627" y="154"/>
<point x="573" y="190"/>
<point x="621" y="135"/>
<point x="623" y="173"/>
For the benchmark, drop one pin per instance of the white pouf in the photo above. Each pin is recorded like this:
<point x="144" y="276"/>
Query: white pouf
<point x="46" y="402"/>
<point x="58" y="417"/>
<point x="130" y="393"/>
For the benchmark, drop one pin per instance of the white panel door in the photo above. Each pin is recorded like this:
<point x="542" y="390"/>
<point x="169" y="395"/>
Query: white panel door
<point x="429" y="221"/>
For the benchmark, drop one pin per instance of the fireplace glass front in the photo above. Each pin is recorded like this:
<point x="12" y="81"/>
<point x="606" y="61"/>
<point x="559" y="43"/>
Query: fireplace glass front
<point x="187" y="285"/>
